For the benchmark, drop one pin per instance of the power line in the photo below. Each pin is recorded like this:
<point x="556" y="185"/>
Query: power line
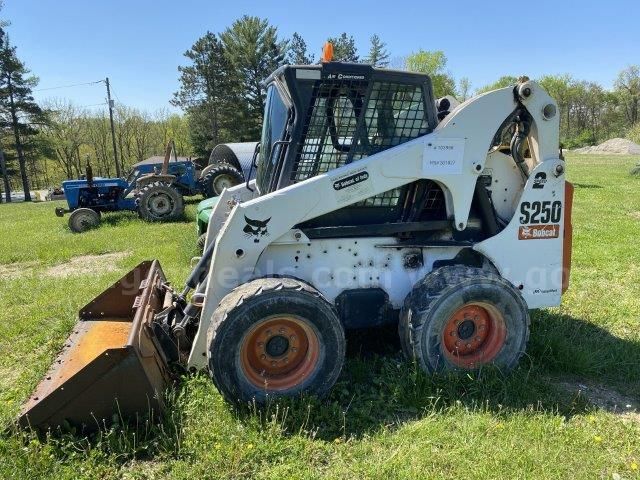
<point x="68" y="86"/>
<point x="92" y="105"/>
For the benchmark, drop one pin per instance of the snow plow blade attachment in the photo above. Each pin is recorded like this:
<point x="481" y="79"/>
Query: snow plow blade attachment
<point x="111" y="364"/>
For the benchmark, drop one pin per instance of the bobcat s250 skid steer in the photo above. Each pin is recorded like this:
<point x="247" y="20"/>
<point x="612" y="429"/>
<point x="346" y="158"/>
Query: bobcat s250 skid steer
<point x="373" y="203"/>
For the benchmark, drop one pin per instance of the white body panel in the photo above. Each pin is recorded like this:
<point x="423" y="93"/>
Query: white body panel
<point x="454" y="155"/>
<point x="335" y="265"/>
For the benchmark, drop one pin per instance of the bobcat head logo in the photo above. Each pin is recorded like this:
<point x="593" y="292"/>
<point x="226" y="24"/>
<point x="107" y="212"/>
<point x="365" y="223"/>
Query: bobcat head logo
<point x="256" y="228"/>
<point x="525" y="232"/>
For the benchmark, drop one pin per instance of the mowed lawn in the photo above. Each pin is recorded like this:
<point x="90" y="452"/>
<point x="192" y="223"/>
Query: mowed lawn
<point x="566" y="412"/>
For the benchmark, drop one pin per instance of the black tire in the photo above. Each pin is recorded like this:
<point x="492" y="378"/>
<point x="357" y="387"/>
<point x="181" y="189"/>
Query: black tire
<point x="159" y="202"/>
<point x="83" y="219"/>
<point x="249" y="335"/>
<point x="220" y="177"/>
<point x="461" y="318"/>
<point x="202" y="239"/>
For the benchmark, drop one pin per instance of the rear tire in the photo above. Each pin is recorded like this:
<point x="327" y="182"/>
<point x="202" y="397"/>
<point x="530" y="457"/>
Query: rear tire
<point x="83" y="219"/>
<point x="220" y="177"/>
<point x="274" y="337"/>
<point x="461" y="318"/>
<point x="202" y="240"/>
<point x="159" y="202"/>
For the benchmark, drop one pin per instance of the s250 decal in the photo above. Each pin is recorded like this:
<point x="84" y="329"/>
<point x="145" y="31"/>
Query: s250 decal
<point x="532" y="213"/>
<point x="540" y="220"/>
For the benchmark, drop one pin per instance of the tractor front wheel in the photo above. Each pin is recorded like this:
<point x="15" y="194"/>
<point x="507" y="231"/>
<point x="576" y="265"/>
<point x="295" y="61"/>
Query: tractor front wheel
<point x="83" y="219"/>
<point x="274" y="337"/>
<point x="216" y="179"/>
<point x="461" y="318"/>
<point x="159" y="202"/>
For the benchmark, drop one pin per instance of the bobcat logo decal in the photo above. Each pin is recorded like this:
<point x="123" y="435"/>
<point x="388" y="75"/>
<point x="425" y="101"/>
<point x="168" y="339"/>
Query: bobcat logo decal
<point x="255" y="228"/>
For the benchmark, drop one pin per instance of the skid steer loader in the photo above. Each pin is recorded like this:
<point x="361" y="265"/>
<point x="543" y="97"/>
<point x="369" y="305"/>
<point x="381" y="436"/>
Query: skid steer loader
<point x="372" y="203"/>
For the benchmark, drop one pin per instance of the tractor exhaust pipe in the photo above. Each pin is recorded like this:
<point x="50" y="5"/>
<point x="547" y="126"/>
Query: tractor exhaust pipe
<point x="112" y="361"/>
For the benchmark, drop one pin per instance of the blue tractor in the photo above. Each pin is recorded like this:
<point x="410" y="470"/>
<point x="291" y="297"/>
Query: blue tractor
<point x="154" y="188"/>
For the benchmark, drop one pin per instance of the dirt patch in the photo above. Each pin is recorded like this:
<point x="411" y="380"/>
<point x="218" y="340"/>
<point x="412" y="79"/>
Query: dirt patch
<point x="10" y="271"/>
<point x="603" y="397"/>
<point x="635" y="215"/>
<point x="86" y="265"/>
<point x="82" y="265"/>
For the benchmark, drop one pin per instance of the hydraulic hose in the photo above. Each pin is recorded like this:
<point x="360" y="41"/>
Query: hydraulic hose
<point x="523" y="127"/>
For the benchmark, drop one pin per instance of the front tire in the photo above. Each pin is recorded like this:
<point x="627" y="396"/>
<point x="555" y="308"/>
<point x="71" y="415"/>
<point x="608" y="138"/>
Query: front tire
<point x="159" y="202"/>
<point x="83" y="219"/>
<point x="461" y="318"/>
<point x="274" y="337"/>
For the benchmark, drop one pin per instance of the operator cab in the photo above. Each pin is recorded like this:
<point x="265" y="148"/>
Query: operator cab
<point x="321" y="117"/>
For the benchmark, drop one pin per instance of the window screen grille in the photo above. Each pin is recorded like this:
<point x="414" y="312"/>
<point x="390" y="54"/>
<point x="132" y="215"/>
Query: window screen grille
<point x="346" y="122"/>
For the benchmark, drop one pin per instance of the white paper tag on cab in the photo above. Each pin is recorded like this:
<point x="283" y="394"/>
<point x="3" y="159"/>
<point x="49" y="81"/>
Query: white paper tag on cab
<point x="444" y="156"/>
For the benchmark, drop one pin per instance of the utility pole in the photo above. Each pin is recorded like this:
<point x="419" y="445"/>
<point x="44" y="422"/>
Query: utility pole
<point x="5" y="177"/>
<point x="113" y="131"/>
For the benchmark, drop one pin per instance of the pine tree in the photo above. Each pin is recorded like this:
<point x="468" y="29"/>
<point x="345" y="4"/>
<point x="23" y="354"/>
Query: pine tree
<point x="344" y="48"/>
<point x="378" y="55"/>
<point x="18" y="110"/>
<point x="298" y="54"/>
<point x="209" y="94"/>
<point x="252" y="46"/>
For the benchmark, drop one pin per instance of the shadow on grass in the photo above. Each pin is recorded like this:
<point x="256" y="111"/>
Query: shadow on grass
<point x="116" y="218"/>
<point x="586" y="185"/>
<point x="379" y="389"/>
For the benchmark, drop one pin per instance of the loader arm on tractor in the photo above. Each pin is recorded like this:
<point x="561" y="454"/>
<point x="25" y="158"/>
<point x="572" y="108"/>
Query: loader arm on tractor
<point x="453" y="155"/>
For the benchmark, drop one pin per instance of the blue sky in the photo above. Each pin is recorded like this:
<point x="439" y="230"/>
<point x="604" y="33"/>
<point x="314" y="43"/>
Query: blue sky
<point x="139" y="43"/>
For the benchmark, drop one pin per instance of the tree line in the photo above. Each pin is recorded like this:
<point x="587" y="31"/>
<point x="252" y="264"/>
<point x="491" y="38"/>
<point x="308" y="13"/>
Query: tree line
<point x="221" y="95"/>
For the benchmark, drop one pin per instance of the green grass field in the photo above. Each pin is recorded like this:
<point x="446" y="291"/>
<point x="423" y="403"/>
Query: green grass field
<point x="383" y="419"/>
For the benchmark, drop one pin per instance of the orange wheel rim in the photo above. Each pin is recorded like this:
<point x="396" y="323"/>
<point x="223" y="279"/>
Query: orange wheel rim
<point x="474" y="335"/>
<point x="279" y="353"/>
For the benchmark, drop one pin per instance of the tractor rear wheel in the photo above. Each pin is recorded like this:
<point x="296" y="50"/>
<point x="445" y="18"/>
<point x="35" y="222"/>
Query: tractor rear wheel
<point x="200" y="243"/>
<point x="82" y="219"/>
<point x="220" y="177"/>
<point x="159" y="202"/>
<point x="461" y="318"/>
<point x="274" y="337"/>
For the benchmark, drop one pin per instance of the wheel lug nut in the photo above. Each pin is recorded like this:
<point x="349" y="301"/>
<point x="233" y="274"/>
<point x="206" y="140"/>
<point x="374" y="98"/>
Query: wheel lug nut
<point x="477" y="339"/>
<point x="260" y="344"/>
<point x="273" y="364"/>
<point x="457" y="344"/>
<point x="468" y="345"/>
<point x="268" y="333"/>
<point x="281" y="330"/>
<point x="453" y="333"/>
<point x="292" y="337"/>
<point x="286" y="359"/>
<point x="294" y="349"/>
<point x="263" y="356"/>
